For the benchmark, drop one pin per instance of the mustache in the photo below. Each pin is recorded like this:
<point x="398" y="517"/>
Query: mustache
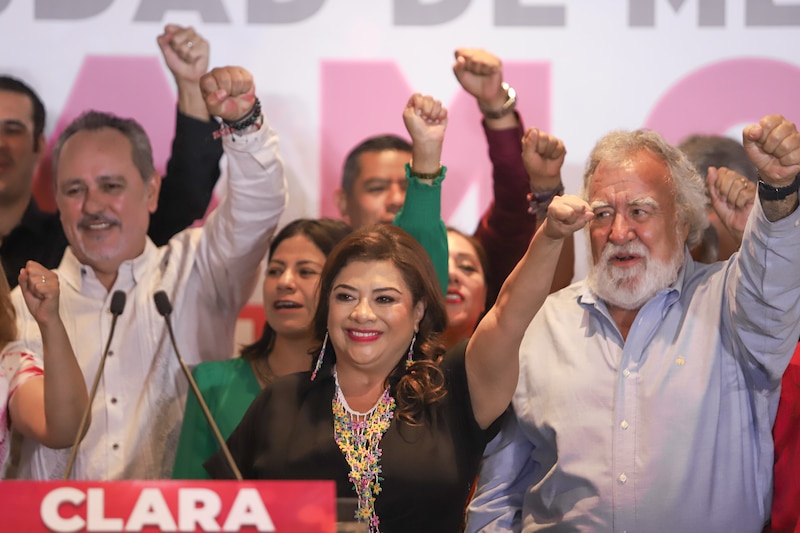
<point x="89" y="220"/>
<point x="629" y="248"/>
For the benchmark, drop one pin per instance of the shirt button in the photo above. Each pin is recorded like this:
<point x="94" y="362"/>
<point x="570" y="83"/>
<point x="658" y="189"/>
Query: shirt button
<point x="623" y="425"/>
<point x="626" y="372"/>
<point x="623" y="479"/>
<point x="110" y="353"/>
<point x="115" y="446"/>
<point x="114" y="400"/>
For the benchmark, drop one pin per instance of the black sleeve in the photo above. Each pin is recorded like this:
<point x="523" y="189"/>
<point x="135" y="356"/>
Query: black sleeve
<point x="192" y="173"/>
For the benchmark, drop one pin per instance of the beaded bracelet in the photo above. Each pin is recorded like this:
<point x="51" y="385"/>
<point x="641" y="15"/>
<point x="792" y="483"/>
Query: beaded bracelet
<point x="538" y="202"/>
<point x="250" y="118"/>
<point x="423" y="175"/>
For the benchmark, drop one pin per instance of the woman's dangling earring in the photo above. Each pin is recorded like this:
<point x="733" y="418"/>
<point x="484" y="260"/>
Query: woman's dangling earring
<point x="320" y="357"/>
<point x="410" y="360"/>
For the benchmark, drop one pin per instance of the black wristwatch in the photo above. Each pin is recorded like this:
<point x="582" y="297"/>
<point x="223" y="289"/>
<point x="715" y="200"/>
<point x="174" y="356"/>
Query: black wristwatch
<point x="769" y="192"/>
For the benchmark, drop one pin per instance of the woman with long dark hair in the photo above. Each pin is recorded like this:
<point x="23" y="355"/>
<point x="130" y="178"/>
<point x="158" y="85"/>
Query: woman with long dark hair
<point x="296" y="257"/>
<point x="386" y="413"/>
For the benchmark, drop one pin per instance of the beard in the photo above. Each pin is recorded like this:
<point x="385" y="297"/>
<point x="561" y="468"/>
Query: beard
<point x="631" y="287"/>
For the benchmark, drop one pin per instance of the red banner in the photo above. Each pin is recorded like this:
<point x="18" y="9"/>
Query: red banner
<point x="181" y="506"/>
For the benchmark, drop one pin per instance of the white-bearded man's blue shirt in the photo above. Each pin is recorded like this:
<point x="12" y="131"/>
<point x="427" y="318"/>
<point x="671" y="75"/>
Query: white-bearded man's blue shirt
<point x="668" y="429"/>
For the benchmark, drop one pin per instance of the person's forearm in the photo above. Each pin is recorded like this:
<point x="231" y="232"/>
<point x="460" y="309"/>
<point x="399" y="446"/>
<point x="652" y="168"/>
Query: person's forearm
<point x="65" y="392"/>
<point x="420" y="216"/>
<point x="775" y="210"/>
<point x="426" y="157"/>
<point x="192" y="173"/>
<point x="528" y="285"/>
<point x="506" y="228"/>
<point x="492" y="353"/>
<point x="190" y="100"/>
<point x="507" y="122"/>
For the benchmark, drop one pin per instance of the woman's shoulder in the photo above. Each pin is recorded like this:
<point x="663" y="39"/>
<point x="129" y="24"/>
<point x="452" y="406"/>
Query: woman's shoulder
<point x="14" y="347"/>
<point x="15" y="352"/>
<point x="18" y="364"/>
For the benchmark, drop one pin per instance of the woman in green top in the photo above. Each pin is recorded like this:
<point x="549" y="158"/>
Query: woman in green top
<point x="296" y="257"/>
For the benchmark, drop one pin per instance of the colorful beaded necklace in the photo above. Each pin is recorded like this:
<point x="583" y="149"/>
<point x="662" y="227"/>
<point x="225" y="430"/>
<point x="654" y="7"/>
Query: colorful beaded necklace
<point x="358" y="436"/>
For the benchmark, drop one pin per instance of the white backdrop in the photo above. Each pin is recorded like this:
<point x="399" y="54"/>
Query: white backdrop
<point x="331" y="72"/>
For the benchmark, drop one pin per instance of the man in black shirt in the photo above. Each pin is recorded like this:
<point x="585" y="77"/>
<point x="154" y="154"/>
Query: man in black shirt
<point x="25" y="232"/>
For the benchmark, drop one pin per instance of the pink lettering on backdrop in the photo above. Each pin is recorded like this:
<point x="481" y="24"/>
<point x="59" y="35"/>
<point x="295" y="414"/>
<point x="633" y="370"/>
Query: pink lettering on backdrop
<point x="126" y="86"/>
<point x="365" y="98"/>
<point x="725" y="94"/>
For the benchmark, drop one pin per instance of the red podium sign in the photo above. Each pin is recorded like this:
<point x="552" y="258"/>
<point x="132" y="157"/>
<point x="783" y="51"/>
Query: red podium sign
<point x="180" y="506"/>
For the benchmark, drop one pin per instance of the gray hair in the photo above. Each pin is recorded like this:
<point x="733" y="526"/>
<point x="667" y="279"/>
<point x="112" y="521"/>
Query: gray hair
<point x="717" y="151"/>
<point x="141" y="152"/>
<point x="690" y="188"/>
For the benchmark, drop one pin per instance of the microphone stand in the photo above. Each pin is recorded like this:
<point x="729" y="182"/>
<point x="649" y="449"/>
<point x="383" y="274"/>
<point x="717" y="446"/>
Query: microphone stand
<point x="165" y="309"/>
<point x="117" y="306"/>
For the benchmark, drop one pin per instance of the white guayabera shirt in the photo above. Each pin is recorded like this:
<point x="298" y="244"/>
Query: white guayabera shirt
<point x="208" y="274"/>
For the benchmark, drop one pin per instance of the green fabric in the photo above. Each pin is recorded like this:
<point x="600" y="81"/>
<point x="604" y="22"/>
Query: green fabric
<point x="421" y="217"/>
<point x="228" y="387"/>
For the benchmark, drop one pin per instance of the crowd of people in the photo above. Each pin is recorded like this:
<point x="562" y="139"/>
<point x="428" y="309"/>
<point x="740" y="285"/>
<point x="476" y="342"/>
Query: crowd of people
<point x="446" y="381"/>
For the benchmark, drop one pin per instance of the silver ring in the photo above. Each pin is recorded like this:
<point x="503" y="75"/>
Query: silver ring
<point x="189" y="44"/>
<point x="44" y="279"/>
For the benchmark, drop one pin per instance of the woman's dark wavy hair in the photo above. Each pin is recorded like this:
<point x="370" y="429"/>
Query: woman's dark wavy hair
<point x="423" y="384"/>
<point x="324" y="233"/>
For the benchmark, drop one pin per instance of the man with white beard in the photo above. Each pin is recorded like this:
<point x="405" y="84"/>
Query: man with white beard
<point x="648" y="391"/>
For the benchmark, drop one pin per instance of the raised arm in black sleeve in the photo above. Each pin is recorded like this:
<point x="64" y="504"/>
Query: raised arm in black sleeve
<point x="192" y="173"/>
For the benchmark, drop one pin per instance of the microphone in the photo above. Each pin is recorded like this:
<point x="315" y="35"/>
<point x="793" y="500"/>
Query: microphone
<point x="165" y="310"/>
<point x="117" y="306"/>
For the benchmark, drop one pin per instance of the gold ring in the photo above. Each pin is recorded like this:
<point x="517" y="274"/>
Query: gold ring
<point x="44" y="279"/>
